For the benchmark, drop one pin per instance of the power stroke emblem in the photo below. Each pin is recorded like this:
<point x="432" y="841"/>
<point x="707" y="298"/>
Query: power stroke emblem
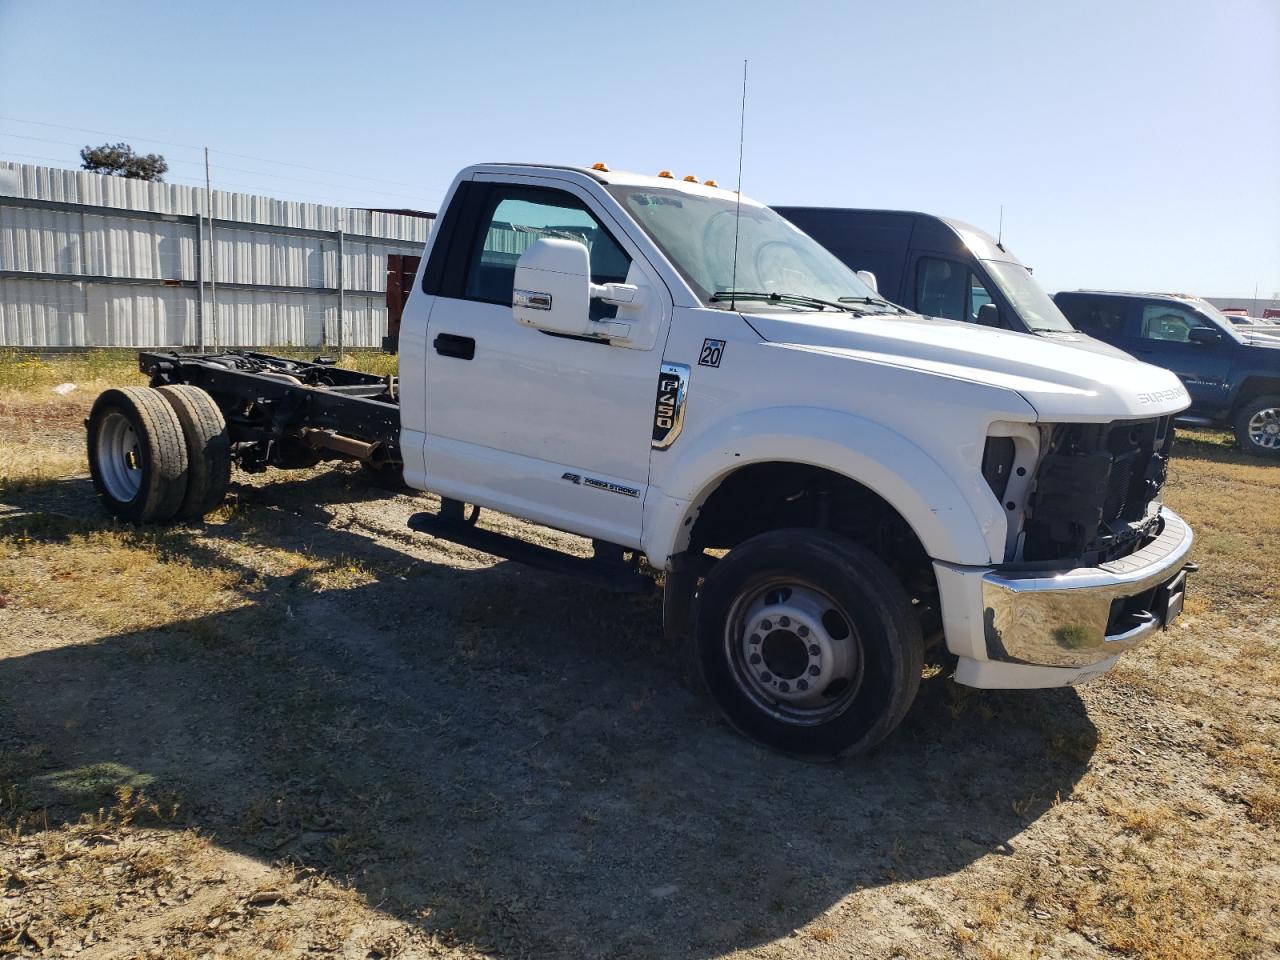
<point x="668" y="409"/>
<point x="712" y="351"/>
<point x="608" y="485"/>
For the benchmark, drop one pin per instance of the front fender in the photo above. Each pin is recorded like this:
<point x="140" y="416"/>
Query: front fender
<point x="952" y="526"/>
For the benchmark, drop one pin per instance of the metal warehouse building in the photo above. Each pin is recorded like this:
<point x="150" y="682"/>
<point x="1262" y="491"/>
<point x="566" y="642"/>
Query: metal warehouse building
<point x="91" y="260"/>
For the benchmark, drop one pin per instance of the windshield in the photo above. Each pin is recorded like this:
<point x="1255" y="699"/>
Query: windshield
<point x="697" y="235"/>
<point x="1035" y="308"/>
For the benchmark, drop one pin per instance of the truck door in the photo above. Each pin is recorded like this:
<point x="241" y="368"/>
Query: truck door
<point x="1160" y="333"/>
<point x="554" y="428"/>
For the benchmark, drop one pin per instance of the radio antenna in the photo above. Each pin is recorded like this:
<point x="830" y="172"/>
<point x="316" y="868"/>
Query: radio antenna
<point x="1000" y="229"/>
<point x="737" y="213"/>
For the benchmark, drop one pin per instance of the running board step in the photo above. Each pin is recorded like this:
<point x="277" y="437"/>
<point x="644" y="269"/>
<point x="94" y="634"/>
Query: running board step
<point x="604" y="570"/>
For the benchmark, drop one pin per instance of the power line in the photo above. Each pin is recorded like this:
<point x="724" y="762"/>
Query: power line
<point x="228" y="153"/>
<point x="69" y="143"/>
<point x="301" y="166"/>
<point x="256" y="173"/>
<point x="100" y="133"/>
<point x="293" y="179"/>
<point x="228" y="186"/>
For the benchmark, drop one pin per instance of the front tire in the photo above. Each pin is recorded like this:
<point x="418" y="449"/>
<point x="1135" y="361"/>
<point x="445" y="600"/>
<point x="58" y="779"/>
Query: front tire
<point x="1257" y="426"/>
<point x="137" y="456"/>
<point x="808" y="643"/>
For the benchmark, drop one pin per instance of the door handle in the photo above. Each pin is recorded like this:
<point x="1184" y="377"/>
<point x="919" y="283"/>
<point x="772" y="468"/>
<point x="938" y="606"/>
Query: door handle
<point x="452" y="345"/>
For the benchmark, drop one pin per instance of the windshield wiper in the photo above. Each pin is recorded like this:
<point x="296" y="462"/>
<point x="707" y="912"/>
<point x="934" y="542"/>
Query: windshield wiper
<point x="874" y="302"/>
<point x="799" y="299"/>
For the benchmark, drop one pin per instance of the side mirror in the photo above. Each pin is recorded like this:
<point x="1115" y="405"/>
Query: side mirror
<point x="553" y="287"/>
<point x="988" y="315"/>
<point x="869" y="278"/>
<point x="553" y="292"/>
<point x="1205" y="335"/>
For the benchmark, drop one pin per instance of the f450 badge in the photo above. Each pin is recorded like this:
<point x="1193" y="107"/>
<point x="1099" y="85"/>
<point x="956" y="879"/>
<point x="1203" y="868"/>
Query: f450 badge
<point x="668" y="409"/>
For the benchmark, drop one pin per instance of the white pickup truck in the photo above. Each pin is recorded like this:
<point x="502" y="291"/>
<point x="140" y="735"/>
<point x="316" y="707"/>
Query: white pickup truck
<point x="825" y="482"/>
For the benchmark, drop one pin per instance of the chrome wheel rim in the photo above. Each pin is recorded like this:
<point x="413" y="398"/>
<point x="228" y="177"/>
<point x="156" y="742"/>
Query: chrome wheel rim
<point x="793" y="651"/>
<point x="119" y="457"/>
<point x="1264" y="428"/>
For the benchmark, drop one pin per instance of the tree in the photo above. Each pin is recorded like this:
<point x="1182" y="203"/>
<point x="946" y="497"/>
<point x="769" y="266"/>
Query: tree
<point x="119" y="160"/>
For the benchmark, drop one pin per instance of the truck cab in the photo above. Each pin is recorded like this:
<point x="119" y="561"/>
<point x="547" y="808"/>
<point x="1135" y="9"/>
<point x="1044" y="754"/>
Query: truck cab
<point x="937" y="266"/>
<point x="1231" y="372"/>
<point x="676" y="370"/>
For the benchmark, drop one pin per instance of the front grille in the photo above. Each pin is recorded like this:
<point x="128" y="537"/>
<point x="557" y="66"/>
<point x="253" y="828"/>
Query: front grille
<point x="1093" y="489"/>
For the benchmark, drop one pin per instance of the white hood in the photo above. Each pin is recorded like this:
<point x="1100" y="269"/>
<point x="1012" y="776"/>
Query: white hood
<point x="1064" y="381"/>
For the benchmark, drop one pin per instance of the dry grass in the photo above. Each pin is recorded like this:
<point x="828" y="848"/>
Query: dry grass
<point x="40" y="439"/>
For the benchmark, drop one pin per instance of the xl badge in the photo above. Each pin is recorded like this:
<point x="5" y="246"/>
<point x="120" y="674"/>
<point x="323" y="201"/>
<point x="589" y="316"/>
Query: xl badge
<point x="712" y="351"/>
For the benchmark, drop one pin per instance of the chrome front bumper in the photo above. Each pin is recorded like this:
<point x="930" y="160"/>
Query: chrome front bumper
<point x="1060" y="618"/>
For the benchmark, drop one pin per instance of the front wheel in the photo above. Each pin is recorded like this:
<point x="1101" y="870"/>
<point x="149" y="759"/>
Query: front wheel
<point x="1257" y="426"/>
<point x="808" y="643"/>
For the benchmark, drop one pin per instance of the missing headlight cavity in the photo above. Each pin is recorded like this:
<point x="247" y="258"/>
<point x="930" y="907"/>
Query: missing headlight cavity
<point x="997" y="463"/>
<point x="1094" y="489"/>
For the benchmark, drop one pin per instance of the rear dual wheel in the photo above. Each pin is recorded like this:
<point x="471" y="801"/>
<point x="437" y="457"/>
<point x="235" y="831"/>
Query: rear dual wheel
<point x="157" y="455"/>
<point x="808" y="643"/>
<point x="208" y="449"/>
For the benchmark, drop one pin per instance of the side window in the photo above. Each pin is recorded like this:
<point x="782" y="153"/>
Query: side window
<point x="513" y="218"/>
<point x="948" y="289"/>
<point x="1169" y="322"/>
<point x="1101" y="317"/>
<point x="941" y="288"/>
<point x="978" y="296"/>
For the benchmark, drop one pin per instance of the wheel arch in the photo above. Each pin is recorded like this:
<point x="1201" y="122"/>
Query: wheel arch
<point x="1253" y="386"/>
<point x="948" y="524"/>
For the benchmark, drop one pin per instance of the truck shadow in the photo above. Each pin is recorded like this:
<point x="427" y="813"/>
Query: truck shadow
<point x="514" y="760"/>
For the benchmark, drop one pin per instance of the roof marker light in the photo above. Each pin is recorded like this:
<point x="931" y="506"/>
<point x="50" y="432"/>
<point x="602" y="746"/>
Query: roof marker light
<point x="691" y="179"/>
<point x="602" y="167"/>
<point x="666" y="175"/>
<point x="710" y="183"/>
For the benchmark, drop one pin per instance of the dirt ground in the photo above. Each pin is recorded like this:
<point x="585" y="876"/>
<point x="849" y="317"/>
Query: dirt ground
<point x="301" y="730"/>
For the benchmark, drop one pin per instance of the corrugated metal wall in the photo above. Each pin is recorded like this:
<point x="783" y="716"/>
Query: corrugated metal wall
<point x="276" y="262"/>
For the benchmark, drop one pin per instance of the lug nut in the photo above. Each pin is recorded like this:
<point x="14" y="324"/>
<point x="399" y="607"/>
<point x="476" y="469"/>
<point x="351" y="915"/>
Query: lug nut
<point x="766" y="676"/>
<point x="802" y="630"/>
<point x="814" y="650"/>
<point x="755" y="638"/>
<point x="784" y="687"/>
<point x="784" y="621"/>
<point x="802" y="684"/>
<point x="814" y="671"/>
<point x="755" y="658"/>
<point x="766" y="625"/>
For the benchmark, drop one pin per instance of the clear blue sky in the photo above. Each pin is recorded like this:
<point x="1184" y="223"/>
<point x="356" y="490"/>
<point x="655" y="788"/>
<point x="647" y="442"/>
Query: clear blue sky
<point x="1134" y="144"/>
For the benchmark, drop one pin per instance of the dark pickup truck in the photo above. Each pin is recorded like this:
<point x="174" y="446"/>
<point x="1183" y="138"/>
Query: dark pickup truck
<point x="1233" y="377"/>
